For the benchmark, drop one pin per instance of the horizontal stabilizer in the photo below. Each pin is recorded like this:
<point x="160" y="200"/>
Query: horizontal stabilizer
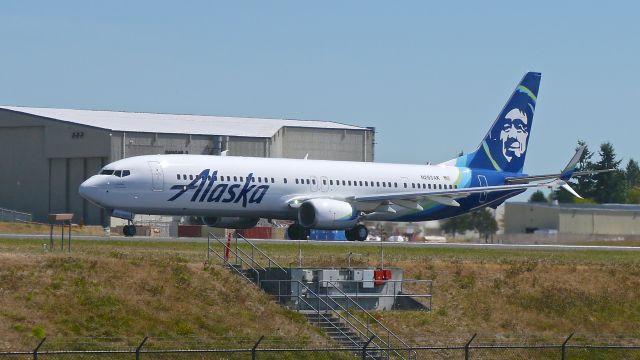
<point x="570" y="190"/>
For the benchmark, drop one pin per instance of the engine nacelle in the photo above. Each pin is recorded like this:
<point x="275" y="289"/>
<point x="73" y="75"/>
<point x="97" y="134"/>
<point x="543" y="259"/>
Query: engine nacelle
<point x="123" y="214"/>
<point x="230" y="222"/>
<point x="327" y="214"/>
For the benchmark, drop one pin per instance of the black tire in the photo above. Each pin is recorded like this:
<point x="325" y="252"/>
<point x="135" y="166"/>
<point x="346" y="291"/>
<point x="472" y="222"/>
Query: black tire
<point x="350" y="235"/>
<point x="297" y="232"/>
<point x="360" y="232"/>
<point x="129" y="230"/>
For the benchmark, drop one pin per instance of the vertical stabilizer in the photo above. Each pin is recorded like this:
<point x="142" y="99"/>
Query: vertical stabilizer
<point x="504" y="148"/>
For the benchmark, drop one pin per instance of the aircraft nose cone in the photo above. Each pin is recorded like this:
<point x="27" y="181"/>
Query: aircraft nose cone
<point x="88" y="187"/>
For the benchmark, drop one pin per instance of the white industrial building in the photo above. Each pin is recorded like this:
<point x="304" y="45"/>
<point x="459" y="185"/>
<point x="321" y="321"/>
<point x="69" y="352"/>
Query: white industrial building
<point x="47" y="153"/>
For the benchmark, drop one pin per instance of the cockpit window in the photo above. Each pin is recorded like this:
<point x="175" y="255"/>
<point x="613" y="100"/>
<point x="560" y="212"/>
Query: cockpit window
<point x="126" y="173"/>
<point x="118" y="173"/>
<point x="106" y="172"/>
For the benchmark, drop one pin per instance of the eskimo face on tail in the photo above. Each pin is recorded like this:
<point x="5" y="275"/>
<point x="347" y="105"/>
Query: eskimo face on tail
<point x="504" y="148"/>
<point x="507" y="141"/>
<point x="514" y="134"/>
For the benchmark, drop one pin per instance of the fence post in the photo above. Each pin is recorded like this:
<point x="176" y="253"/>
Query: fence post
<point x="564" y="344"/>
<point x="35" y="351"/>
<point x="140" y="347"/>
<point x="466" y="347"/>
<point x="364" y="348"/>
<point x="253" y="350"/>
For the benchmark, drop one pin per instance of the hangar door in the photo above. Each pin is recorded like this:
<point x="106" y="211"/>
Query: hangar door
<point x="157" y="176"/>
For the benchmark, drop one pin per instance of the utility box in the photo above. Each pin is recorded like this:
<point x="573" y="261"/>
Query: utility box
<point x="307" y="275"/>
<point x="358" y="274"/>
<point x="312" y="289"/>
<point x="327" y="276"/>
<point x="367" y="279"/>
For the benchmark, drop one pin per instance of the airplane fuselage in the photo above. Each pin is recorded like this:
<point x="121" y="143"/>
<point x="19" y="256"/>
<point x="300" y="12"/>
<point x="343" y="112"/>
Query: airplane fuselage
<point x="203" y="185"/>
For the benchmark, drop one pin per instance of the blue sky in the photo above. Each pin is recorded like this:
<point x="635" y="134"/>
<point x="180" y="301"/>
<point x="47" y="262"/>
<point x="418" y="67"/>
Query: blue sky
<point x="430" y="76"/>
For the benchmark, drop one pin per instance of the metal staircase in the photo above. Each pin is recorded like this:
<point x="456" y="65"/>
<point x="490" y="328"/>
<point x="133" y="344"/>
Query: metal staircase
<point x="343" y="326"/>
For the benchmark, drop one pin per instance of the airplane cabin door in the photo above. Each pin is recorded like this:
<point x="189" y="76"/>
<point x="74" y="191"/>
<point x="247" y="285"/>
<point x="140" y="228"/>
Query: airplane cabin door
<point x="483" y="183"/>
<point x="157" y="176"/>
<point x="324" y="184"/>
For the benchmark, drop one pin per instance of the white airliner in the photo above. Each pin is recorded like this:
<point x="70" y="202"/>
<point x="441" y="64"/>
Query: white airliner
<point x="235" y="192"/>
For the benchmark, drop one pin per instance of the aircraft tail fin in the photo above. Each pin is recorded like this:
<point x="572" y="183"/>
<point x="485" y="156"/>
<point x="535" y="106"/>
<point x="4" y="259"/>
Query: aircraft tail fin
<point x="504" y="148"/>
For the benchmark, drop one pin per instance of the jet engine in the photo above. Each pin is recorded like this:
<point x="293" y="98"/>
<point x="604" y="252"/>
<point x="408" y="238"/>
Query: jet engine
<point x="230" y="222"/>
<point x="327" y="214"/>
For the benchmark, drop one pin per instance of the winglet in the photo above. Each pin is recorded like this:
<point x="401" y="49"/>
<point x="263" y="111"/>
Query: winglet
<point x="568" y="170"/>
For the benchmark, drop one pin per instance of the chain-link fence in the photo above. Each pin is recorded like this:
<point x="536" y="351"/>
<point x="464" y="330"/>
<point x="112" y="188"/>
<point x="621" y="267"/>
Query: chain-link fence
<point x="233" y="348"/>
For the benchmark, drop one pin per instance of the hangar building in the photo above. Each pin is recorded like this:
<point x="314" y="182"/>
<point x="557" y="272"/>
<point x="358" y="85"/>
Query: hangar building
<point x="581" y="219"/>
<point x="47" y="153"/>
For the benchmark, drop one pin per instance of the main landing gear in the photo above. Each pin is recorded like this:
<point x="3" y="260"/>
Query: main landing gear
<point x="129" y="230"/>
<point x="297" y="232"/>
<point x="359" y="233"/>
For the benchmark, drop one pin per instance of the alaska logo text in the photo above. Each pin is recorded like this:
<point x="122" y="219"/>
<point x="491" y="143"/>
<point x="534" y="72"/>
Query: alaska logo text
<point x="204" y="188"/>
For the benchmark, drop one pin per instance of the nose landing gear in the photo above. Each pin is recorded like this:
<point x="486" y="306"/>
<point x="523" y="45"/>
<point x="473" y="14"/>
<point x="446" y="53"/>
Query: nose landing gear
<point x="129" y="230"/>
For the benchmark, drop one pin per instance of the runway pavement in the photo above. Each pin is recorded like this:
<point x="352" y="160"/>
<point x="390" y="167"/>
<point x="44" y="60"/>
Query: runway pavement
<point x="523" y="247"/>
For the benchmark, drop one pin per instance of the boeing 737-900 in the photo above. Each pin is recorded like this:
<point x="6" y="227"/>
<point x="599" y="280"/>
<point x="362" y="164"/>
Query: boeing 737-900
<point x="235" y="192"/>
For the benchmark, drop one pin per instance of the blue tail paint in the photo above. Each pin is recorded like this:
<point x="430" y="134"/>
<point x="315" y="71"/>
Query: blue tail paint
<point x="505" y="146"/>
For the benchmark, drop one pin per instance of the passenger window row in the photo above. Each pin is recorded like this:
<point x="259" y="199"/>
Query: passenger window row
<point x="304" y="181"/>
<point x="367" y="183"/>
<point x="259" y="179"/>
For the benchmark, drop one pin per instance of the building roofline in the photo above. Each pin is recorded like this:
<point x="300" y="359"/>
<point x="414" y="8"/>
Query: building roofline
<point x="207" y="124"/>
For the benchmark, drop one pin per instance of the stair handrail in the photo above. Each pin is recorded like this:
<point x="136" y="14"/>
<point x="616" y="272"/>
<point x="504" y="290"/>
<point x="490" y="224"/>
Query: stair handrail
<point x="389" y="332"/>
<point x="340" y="316"/>
<point x="260" y="251"/>
<point x="317" y="311"/>
<point x="309" y="290"/>
<point x="242" y="260"/>
<point x="235" y="254"/>
<point x="249" y="257"/>
<point x="329" y="308"/>
<point x="234" y="268"/>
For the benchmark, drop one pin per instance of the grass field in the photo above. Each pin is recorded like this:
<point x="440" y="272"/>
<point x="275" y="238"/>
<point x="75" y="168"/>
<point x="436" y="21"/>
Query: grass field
<point x="133" y="289"/>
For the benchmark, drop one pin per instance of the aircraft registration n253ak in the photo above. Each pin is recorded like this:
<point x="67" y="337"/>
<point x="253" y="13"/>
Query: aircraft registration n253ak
<point x="235" y="192"/>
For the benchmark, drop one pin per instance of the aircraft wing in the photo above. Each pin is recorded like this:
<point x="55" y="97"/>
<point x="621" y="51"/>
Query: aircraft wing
<point x="445" y="197"/>
<point x="412" y="199"/>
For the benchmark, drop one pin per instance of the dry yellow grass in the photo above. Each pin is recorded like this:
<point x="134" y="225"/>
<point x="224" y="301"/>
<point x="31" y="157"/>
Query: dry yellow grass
<point x="131" y="294"/>
<point x="107" y="288"/>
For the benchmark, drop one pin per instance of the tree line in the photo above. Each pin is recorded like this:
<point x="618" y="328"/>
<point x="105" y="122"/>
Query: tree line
<point x="621" y="185"/>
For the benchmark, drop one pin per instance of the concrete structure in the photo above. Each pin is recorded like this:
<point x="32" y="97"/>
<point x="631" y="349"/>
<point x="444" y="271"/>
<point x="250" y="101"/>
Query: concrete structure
<point x="45" y="153"/>
<point x="582" y="219"/>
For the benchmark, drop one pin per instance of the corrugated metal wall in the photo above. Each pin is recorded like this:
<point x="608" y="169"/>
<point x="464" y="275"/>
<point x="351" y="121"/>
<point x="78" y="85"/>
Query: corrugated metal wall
<point x="326" y="144"/>
<point x="519" y="217"/>
<point x="43" y="161"/>
<point x="600" y="222"/>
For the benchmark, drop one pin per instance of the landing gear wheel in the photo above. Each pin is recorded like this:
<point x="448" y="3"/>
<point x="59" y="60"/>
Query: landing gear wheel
<point x="350" y="234"/>
<point x="129" y="230"/>
<point x="297" y="232"/>
<point x="360" y="232"/>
